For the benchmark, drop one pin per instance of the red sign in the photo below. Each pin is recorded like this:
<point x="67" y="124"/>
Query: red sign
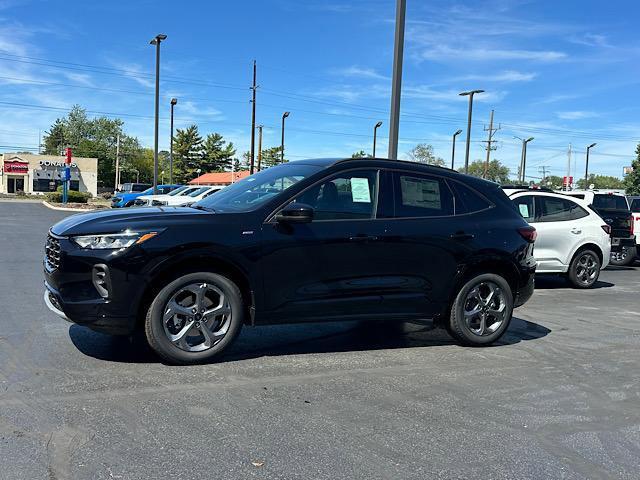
<point x="565" y="182"/>
<point x="16" y="167"/>
<point x="68" y="156"/>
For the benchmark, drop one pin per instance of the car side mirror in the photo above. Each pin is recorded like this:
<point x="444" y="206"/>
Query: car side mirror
<point x="295" y="213"/>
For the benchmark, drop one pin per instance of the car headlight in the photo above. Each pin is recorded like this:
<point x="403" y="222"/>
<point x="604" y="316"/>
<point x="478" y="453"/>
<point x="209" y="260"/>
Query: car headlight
<point x="112" y="240"/>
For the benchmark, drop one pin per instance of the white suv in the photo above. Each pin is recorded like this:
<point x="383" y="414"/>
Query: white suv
<point x="572" y="239"/>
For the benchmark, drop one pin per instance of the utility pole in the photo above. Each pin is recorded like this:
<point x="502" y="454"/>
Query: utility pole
<point x="543" y="170"/>
<point x="396" y="83"/>
<point x="253" y="120"/>
<point x="117" y="162"/>
<point x="489" y="141"/>
<point x="39" y="141"/>
<point x="259" y="147"/>
<point x="567" y="184"/>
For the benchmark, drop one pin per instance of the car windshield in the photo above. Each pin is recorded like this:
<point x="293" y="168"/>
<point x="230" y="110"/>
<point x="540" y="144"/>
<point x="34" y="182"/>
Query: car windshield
<point x="197" y="192"/>
<point x="178" y="190"/>
<point x="148" y="191"/>
<point x="252" y="191"/>
<point x="612" y="202"/>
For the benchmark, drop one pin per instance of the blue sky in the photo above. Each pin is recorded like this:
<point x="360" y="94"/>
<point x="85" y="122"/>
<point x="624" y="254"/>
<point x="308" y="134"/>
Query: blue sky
<point x="563" y="72"/>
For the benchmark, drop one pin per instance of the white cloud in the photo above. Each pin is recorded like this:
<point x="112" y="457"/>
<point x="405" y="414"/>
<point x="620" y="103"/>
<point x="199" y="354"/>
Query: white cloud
<point x="135" y="73"/>
<point x="576" y="115"/>
<point x="444" y="52"/>
<point x="80" y="78"/>
<point x="506" y="76"/>
<point x="591" y="40"/>
<point x="360" y="72"/>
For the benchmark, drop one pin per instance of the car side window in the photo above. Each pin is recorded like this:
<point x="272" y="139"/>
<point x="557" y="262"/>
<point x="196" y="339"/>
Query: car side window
<point x="526" y="207"/>
<point x="559" y="210"/>
<point x="350" y="195"/>
<point x="467" y="200"/>
<point x="418" y="195"/>
<point x="635" y="205"/>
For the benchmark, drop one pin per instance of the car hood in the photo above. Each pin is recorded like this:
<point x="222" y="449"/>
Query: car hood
<point x="112" y="221"/>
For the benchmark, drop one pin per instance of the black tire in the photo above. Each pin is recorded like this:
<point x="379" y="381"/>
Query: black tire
<point x="576" y="273"/>
<point x="157" y="335"/>
<point x="623" y="258"/>
<point x="463" y="331"/>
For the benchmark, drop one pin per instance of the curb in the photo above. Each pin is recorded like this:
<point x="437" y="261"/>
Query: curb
<point x="66" y="209"/>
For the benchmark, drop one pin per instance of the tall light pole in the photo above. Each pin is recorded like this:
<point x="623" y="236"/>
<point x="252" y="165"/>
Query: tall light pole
<point x="523" y="157"/>
<point x="470" y="94"/>
<point x="396" y="84"/>
<point x="453" y="148"/>
<point x="375" y="132"/>
<point x="284" y="115"/>
<point x="586" y="168"/>
<point x="174" y="101"/>
<point x="156" y="41"/>
<point x="260" y="127"/>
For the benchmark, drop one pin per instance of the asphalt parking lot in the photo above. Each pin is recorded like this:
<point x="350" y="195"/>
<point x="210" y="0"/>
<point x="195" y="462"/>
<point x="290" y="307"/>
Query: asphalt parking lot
<point x="558" y="397"/>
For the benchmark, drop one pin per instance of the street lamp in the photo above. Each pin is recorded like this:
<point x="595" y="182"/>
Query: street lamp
<point x="156" y="41"/>
<point x="470" y="95"/>
<point x="453" y="148"/>
<point x="284" y="115"/>
<point x="174" y="101"/>
<point x="375" y="132"/>
<point x="523" y="157"/>
<point x="586" y="168"/>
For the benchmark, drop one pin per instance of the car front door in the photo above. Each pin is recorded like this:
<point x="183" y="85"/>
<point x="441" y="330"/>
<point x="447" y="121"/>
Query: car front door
<point x="333" y="266"/>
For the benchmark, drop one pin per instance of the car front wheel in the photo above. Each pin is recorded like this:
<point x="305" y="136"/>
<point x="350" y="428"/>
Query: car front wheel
<point x="194" y="318"/>
<point x="482" y="310"/>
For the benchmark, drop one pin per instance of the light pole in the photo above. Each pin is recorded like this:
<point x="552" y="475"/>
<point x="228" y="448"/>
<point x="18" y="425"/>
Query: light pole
<point x="523" y="157"/>
<point x="586" y="168"/>
<point x="453" y="148"/>
<point x="284" y="115"/>
<point x="375" y="132"/>
<point x="156" y="41"/>
<point x="470" y="94"/>
<point x="173" y="104"/>
<point x="396" y="82"/>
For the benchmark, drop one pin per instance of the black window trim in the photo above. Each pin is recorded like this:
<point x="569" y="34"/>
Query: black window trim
<point x="570" y="199"/>
<point x="270" y="219"/>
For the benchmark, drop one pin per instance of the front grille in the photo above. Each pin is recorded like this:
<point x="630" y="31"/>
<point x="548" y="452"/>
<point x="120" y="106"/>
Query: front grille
<point x="52" y="252"/>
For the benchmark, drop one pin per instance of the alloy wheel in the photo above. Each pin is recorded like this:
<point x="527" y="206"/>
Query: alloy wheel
<point x="587" y="268"/>
<point x="485" y="309"/>
<point x="197" y="317"/>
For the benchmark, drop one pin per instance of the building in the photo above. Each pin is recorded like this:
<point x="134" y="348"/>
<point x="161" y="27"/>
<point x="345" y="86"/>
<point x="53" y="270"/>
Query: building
<point x="39" y="174"/>
<point x="220" y="178"/>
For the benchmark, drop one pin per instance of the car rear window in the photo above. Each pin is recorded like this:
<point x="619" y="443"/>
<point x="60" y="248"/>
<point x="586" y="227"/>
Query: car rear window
<point x="467" y="199"/>
<point x="612" y="202"/>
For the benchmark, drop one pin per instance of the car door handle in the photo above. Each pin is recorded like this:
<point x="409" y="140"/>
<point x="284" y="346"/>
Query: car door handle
<point x="461" y="236"/>
<point x="363" y="238"/>
<point x="576" y="230"/>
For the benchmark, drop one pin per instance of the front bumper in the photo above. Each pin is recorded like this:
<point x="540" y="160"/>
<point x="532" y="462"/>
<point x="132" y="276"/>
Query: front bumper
<point x="52" y="303"/>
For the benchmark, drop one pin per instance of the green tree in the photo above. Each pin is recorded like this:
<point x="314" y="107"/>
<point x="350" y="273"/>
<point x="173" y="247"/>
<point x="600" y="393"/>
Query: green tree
<point x="217" y="154"/>
<point x="632" y="179"/>
<point x="360" y="154"/>
<point x="423" y="153"/>
<point x="552" y="181"/>
<point x="497" y="172"/>
<point x="271" y="157"/>
<point x="601" y="181"/>
<point x="187" y="153"/>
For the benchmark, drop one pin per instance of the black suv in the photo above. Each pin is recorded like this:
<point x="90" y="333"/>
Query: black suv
<point x="306" y="241"/>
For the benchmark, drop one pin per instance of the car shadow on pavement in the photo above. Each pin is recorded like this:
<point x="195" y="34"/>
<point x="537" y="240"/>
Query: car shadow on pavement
<point x="297" y="339"/>
<point x="548" y="282"/>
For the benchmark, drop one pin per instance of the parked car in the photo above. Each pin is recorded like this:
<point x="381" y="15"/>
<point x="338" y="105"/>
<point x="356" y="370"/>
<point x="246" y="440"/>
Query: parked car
<point x="634" y="206"/>
<point x="614" y="209"/>
<point x="305" y="241"/>
<point x="127" y="199"/>
<point x="195" y="196"/>
<point x="572" y="239"/>
<point x="159" y="200"/>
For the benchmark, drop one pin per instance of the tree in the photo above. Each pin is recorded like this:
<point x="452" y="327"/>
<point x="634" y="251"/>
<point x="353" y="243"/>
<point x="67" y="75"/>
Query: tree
<point x="552" y="181"/>
<point x="497" y="172"/>
<point x="217" y="155"/>
<point x="601" y="181"/>
<point x="360" y="154"/>
<point x="187" y="153"/>
<point x="271" y="157"/>
<point x="423" y="153"/>
<point x="632" y="179"/>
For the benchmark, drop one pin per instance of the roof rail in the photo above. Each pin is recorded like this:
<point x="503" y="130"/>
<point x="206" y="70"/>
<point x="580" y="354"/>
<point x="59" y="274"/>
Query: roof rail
<point x="528" y="187"/>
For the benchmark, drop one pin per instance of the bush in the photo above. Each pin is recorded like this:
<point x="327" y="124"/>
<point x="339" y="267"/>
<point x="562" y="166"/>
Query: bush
<point x="72" y="197"/>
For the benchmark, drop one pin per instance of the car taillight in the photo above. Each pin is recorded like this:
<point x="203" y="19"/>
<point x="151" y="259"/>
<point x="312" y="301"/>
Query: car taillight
<point x="631" y="228"/>
<point x="606" y="228"/>
<point x="528" y="233"/>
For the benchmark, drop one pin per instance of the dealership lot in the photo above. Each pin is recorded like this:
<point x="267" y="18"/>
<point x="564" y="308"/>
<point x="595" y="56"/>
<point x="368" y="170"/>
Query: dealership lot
<point x="558" y="397"/>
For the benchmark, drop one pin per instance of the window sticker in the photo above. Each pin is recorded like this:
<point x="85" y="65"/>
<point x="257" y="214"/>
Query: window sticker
<point x="360" y="190"/>
<point x="524" y="210"/>
<point x="423" y="193"/>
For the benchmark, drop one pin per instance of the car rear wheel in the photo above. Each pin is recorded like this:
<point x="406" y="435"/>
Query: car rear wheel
<point x="624" y="257"/>
<point x="482" y="310"/>
<point x="584" y="269"/>
<point x="194" y="318"/>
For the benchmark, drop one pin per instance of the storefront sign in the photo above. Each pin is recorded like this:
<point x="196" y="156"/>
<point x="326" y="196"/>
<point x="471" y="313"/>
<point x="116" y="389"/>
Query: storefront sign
<point x="47" y="163"/>
<point x="21" y="168"/>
